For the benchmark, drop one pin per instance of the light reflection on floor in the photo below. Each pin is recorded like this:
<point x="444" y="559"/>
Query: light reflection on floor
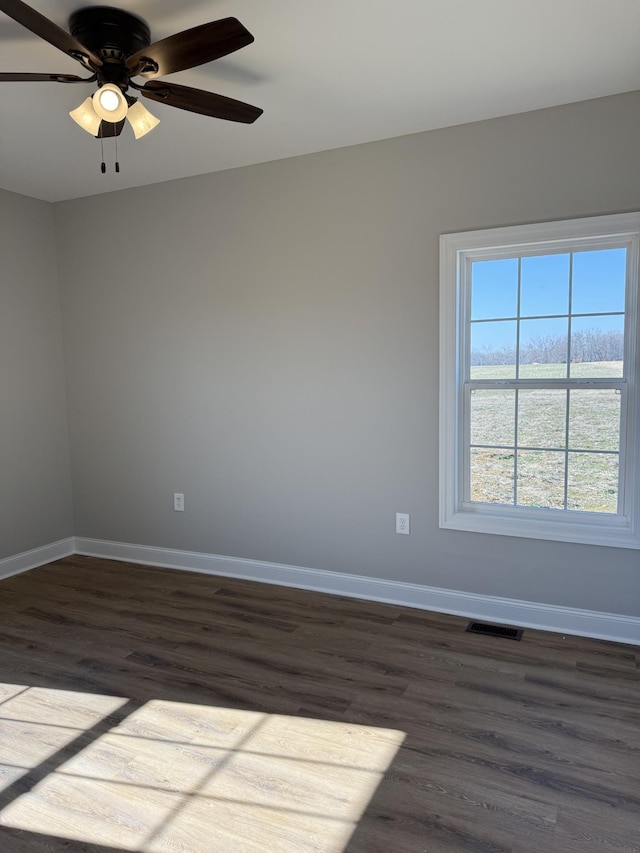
<point x="167" y="776"/>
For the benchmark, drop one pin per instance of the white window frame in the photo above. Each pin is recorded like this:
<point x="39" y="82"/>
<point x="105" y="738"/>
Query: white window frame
<point x="457" y="252"/>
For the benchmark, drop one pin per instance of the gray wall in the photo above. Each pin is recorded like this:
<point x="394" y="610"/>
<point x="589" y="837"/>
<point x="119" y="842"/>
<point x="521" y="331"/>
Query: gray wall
<point x="266" y="342"/>
<point x="35" y="495"/>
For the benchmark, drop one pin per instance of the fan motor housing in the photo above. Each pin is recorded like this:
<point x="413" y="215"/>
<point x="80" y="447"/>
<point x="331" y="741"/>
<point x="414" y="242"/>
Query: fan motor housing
<point x="112" y="34"/>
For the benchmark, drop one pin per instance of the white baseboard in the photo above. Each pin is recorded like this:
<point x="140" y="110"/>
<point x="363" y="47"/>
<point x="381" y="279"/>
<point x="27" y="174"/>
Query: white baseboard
<point x="526" y="614"/>
<point x="36" y="557"/>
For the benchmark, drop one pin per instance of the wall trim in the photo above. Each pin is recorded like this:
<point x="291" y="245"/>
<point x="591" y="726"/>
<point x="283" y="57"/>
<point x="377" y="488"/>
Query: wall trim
<point x="36" y="557"/>
<point x="545" y="617"/>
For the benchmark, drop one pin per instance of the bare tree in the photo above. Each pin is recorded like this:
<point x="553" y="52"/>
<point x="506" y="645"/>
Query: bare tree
<point x="589" y="345"/>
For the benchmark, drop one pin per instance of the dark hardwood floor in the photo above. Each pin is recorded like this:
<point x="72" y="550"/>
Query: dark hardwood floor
<point x="146" y="709"/>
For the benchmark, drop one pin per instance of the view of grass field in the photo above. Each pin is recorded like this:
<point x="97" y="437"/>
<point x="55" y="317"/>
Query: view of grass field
<point x="557" y="435"/>
<point x="579" y="370"/>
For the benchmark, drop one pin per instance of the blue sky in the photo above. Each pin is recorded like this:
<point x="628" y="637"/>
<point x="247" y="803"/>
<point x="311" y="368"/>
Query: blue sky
<point x="598" y="286"/>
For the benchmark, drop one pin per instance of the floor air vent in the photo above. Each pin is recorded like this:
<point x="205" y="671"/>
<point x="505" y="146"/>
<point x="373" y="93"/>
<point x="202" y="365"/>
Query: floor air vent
<point x="495" y="630"/>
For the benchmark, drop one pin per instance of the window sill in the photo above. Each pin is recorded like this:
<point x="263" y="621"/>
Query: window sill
<point x="592" y="529"/>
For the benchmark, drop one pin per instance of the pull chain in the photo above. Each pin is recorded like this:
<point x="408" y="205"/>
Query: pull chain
<point x="103" y="165"/>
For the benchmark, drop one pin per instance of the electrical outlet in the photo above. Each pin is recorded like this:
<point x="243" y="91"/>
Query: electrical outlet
<point x="403" y="523"/>
<point x="178" y="502"/>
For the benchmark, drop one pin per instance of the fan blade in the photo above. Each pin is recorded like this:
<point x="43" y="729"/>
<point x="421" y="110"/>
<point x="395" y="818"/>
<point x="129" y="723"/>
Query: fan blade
<point x="190" y="48"/>
<point x="47" y="30"/>
<point x="198" y="101"/>
<point x="8" y="77"/>
<point x="108" y="129"/>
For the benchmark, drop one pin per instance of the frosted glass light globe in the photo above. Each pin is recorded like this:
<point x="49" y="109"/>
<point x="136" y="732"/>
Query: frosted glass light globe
<point x="109" y="103"/>
<point x="109" y="100"/>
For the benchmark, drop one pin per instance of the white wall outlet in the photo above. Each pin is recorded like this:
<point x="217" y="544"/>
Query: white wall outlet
<point x="403" y="523"/>
<point x="178" y="502"/>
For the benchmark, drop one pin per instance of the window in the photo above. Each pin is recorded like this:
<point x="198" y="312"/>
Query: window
<point x="539" y="407"/>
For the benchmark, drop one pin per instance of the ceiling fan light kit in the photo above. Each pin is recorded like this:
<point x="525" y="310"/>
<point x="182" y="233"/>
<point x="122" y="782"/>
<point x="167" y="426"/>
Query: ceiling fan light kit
<point x="108" y="104"/>
<point x="115" y="46"/>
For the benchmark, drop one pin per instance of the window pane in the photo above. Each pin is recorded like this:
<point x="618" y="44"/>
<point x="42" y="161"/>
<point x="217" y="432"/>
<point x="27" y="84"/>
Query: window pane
<point x="544" y="288"/>
<point x="543" y="348"/>
<point x="593" y="482"/>
<point x="597" y="346"/>
<point x="493" y="416"/>
<point x="541" y="479"/>
<point x="599" y="280"/>
<point x="594" y="419"/>
<point x="493" y="350"/>
<point x="492" y="476"/>
<point x="542" y="418"/>
<point x="494" y="289"/>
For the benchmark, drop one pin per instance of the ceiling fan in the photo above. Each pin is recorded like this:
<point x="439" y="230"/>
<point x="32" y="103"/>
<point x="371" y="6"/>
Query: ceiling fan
<point x="115" y="46"/>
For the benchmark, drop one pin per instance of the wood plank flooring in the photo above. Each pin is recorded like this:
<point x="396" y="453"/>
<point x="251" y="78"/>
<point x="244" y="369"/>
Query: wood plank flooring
<point x="151" y="710"/>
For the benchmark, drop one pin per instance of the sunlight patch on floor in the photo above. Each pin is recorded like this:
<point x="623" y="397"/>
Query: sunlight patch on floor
<point x="173" y="776"/>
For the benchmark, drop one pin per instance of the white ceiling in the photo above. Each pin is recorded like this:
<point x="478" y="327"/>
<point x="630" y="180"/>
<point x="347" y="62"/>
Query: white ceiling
<point x="328" y="73"/>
